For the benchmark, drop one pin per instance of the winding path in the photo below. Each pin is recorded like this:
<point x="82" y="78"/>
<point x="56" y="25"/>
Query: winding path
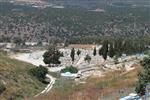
<point x="49" y="86"/>
<point x="36" y="59"/>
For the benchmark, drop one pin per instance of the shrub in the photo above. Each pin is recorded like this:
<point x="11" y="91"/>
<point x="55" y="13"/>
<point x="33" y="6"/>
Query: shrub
<point x="144" y="76"/>
<point x="39" y="72"/>
<point x="2" y="88"/>
<point x="87" y="58"/>
<point x="70" y="69"/>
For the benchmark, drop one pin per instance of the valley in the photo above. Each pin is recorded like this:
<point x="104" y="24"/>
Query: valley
<point x="74" y="49"/>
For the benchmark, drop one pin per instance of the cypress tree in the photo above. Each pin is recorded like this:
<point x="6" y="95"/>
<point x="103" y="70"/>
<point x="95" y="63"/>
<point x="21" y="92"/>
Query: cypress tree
<point x="111" y="50"/>
<point x="72" y="54"/>
<point x="100" y="51"/>
<point x="104" y="49"/>
<point x="94" y="51"/>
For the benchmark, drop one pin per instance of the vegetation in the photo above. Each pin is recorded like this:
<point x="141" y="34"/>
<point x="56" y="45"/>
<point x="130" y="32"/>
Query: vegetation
<point x="2" y="88"/>
<point x="52" y="56"/>
<point x="94" y="51"/>
<point x="72" y="54"/>
<point x="121" y="46"/>
<point x="54" y="74"/>
<point x="144" y="76"/>
<point x="87" y="58"/>
<point x="111" y="51"/>
<point x="104" y="50"/>
<point x="19" y="83"/>
<point x="70" y="69"/>
<point x="78" y="52"/>
<point x="112" y="86"/>
<point x="39" y="72"/>
<point x="72" y="25"/>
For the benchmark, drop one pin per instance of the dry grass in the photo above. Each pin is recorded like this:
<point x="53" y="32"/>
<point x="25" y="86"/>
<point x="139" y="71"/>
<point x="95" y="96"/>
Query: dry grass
<point x="82" y="46"/>
<point x="19" y="84"/>
<point x="111" y="87"/>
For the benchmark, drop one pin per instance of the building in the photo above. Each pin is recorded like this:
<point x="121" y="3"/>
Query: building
<point x="69" y="75"/>
<point x="8" y="45"/>
<point x="31" y="43"/>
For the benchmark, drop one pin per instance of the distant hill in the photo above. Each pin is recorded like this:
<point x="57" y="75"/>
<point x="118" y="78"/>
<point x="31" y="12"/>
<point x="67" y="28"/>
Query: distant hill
<point x="16" y="80"/>
<point x="72" y="20"/>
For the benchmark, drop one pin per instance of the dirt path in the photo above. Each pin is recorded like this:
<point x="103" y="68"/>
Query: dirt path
<point x="49" y="86"/>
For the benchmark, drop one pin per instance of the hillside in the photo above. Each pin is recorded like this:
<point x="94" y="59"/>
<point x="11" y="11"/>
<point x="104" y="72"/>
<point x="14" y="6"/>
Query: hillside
<point x="25" y="23"/>
<point x="15" y="78"/>
<point x="114" y="85"/>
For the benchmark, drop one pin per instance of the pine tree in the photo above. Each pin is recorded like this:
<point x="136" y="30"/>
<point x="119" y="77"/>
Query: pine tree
<point x="94" y="51"/>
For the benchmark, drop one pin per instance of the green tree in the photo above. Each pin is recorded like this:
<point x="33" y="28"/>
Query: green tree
<point x="72" y="54"/>
<point x="39" y="43"/>
<point x="78" y="52"/>
<point x="17" y="40"/>
<point x="52" y="56"/>
<point x="70" y="69"/>
<point x="39" y="72"/>
<point x="116" y="59"/>
<point x="94" y="51"/>
<point x="144" y="76"/>
<point x="87" y="58"/>
<point x="100" y="51"/>
<point x="111" y="51"/>
<point x="118" y="48"/>
<point x="2" y="88"/>
<point x="104" y="50"/>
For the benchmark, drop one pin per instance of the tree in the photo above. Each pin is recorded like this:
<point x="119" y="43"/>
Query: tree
<point x="17" y="40"/>
<point x="39" y="72"/>
<point x="118" y="48"/>
<point x="39" y="43"/>
<point x="100" y="51"/>
<point x="72" y="54"/>
<point x="52" y="56"/>
<point x="2" y="88"/>
<point x="78" y="52"/>
<point x="111" y="50"/>
<point x="116" y="59"/>
<point x="70" y="69"/>
<point x="87" y="58"/>
<point x="144" y="76"/>
<point x="94" y="51"/>
<point x="104" y="50"/>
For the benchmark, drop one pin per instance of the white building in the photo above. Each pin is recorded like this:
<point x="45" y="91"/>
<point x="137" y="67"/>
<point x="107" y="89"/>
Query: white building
<point x="8" y="45"/>
<point x="31" y="43"/>
<point x="69" y="75"/>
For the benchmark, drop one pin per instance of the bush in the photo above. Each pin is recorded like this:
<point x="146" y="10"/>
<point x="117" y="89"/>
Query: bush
<point x="2" y="88"/>
<point x="39" y="72"/>
<point x="144" y="76"/>
<point x="70" y="69"/>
